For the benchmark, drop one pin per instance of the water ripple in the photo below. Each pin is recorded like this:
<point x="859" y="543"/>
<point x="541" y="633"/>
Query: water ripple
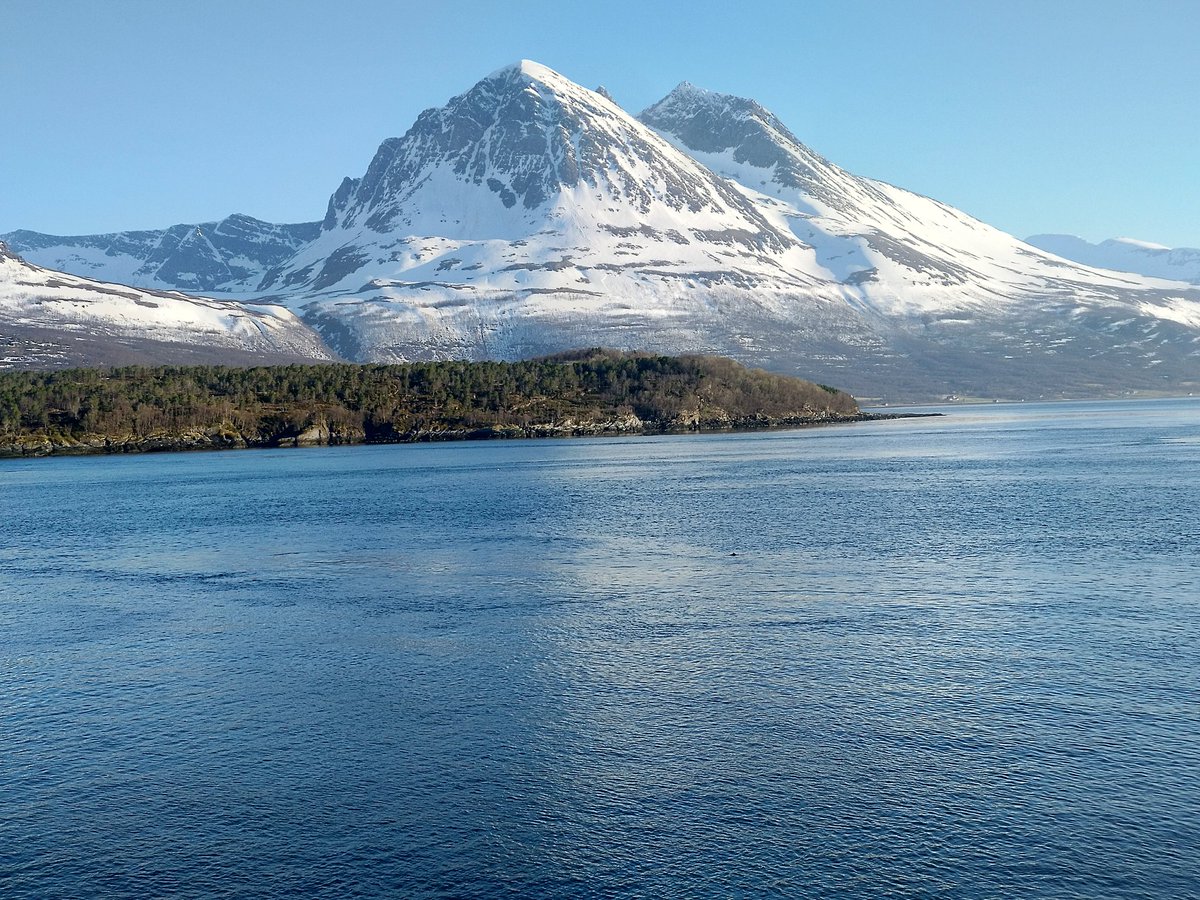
<point x="950" y="658"/>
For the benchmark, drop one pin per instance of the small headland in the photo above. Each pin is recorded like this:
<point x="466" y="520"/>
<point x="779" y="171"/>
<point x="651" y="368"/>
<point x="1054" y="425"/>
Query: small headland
<point x="592" y="392"/>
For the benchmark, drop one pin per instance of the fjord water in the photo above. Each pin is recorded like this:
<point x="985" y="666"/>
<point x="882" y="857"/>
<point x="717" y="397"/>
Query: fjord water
<point x="936" y="657"/>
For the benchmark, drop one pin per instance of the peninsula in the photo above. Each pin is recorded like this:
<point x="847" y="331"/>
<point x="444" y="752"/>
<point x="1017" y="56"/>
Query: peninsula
<point x="587" y="392"/>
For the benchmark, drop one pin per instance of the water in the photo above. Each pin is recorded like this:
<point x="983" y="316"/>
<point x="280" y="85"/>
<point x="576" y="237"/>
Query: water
<point x="941" y="657"/>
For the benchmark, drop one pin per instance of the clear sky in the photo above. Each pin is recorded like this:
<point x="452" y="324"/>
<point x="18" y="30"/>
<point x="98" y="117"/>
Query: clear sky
<point x="1077" y="116"/>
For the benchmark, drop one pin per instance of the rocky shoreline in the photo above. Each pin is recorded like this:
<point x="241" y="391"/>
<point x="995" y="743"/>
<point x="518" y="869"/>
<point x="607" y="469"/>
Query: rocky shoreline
<point x="222" y="438"/>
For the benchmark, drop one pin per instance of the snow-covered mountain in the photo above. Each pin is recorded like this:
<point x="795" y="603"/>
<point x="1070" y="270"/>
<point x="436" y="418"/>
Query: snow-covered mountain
<point x="1124" y="255"/>
<point x="226" y="256"/>
<point x="51" y="319"/>
<point x="530" y="215"/>
<point x="969" y="305"/>
<point x="904" y="254"/>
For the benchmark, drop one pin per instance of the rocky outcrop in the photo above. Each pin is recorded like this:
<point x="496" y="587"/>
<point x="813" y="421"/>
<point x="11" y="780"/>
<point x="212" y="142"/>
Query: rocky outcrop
<point x="224" y="437"/>
<point x="60" y="445"/>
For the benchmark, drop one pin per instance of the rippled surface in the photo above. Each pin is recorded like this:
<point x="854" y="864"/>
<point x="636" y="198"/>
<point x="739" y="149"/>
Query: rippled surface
<point x="952" y="657"/>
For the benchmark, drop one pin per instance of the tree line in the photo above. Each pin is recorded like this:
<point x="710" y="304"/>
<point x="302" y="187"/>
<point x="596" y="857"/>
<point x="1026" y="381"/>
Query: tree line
<point x="349" y="403"/>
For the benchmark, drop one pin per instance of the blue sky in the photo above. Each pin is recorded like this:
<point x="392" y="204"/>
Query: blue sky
<point x="1057" y="115"/>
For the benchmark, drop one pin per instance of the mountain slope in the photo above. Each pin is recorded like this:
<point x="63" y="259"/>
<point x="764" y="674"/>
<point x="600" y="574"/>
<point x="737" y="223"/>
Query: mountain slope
<point x="1124" y="255"/>
<point x="974" y="307"/>
<point x="51" y="319"/>
<point x="906" y="253"/>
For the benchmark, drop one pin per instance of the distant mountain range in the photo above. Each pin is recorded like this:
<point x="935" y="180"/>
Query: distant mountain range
<point x="531" y="215"/>
<point x="1125" y="255"/>
<point x="226" y="256"/>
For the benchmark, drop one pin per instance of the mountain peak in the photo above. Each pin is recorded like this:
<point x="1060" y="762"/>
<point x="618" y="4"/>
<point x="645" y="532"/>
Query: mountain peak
<point x="683" y="90"/>
<point x="530" y="71"/>
<point x="707" y="122"/>
<point x="526" y="135"/>
<point x="687" y="103"/>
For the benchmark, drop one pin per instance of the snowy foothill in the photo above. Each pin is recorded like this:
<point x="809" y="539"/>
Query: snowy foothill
<point x="33" y="298"/>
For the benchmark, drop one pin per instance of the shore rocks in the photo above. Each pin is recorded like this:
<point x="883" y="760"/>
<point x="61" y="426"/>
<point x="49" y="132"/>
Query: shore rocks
<point x="316" y="435"/>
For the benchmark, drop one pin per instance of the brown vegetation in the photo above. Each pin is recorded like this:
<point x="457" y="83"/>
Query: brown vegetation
<point x="595" y="391"/>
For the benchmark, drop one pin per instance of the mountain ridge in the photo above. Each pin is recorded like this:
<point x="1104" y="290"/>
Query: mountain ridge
<point x="1125" y="255"/>
<point x="229" y="255"/>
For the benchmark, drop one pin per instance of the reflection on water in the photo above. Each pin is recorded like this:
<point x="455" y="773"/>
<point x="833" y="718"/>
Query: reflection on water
<point x="932" y="656"/>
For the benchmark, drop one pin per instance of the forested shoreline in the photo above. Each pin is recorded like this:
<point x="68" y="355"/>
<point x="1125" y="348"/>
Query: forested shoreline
<point x="139" y="409"/>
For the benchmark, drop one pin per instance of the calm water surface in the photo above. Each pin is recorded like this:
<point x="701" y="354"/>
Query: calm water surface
<point x="949" y="657"/>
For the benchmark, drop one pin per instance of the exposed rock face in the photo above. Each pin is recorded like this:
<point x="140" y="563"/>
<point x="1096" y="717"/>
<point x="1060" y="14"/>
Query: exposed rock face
<point x="706" y="122"/>
<point x="43" y="445"/>
<point x="313" y="435"/>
